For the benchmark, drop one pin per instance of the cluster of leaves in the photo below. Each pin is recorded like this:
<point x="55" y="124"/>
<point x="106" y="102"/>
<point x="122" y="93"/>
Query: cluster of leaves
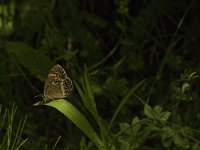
<point x="155" y="126"/>
<point x="122" y="42"/>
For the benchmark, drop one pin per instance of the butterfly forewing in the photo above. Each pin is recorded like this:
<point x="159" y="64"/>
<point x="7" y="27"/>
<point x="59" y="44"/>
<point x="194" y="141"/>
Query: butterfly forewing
<point x="57" y="85"/>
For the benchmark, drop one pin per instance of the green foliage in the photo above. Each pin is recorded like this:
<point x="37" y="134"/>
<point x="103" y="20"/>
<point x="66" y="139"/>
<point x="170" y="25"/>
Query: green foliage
<point x="156" y="113"/>
<point x="30" y="59"/>
<point x="76" y="117"/>
<point x="124" y="100"/>
<point x="6" y="20"/>
<point x="131" y="136"/>
<point x="12" y="137"/>
<point x="123" y="43"/>
<point x="183" y="87"/>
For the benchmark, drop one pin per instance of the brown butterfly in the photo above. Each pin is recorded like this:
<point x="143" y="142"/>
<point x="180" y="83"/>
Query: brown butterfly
<point x="57" y="85"/>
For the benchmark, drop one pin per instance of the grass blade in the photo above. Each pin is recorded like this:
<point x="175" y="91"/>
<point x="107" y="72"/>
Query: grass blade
<point x="77" y="118"/>
<point x="124" y="100"/>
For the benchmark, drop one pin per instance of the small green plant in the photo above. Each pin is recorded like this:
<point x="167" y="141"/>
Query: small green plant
<point x="10" y="133"/>
<point x="155" y="126"/>
<point x="100" y="137"/>
<point x="183" y="88"/>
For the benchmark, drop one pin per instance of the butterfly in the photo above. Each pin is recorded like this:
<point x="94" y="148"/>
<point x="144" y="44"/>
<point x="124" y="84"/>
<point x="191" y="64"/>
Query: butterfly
<point x="57" y="85"/>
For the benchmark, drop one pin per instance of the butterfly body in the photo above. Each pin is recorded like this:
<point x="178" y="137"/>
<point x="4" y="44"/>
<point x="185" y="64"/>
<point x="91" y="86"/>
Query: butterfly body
<point x="58" y="84"/>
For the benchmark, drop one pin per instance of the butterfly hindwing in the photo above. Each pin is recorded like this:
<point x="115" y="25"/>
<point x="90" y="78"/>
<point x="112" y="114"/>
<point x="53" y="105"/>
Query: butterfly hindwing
<point x="57" y="84"/>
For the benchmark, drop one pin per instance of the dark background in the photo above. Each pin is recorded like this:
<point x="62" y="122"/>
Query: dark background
<point x="121" y="41"/>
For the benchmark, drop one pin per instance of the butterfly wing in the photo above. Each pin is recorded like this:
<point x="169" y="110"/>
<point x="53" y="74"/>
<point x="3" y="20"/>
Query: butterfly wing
<point x="67" y="86"/>
<point x="57" y="85"/>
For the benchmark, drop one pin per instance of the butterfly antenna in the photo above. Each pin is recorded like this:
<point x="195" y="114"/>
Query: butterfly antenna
<point x="39" y="95"/>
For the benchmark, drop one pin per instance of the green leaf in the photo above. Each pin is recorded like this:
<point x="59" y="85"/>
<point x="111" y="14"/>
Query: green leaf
<point x="89" y="93"/>
<point x="89" y="102"/>
<point x="30" y="58"/>
<point x="135" y="125"/>
<point x="73" y="114"/>
<point x="185" y="87"/>
<point x="126" y="127"/>
<point x="124" y="100"/>
<point x="124" y="145"/>
<point x="157" y="109"/>
<point x="85" y="100"/>
<point x="165" y="115"/>
<point x="149" y="112"/>
<point x="156" y="113"/>
<point x="84" y="146"/>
